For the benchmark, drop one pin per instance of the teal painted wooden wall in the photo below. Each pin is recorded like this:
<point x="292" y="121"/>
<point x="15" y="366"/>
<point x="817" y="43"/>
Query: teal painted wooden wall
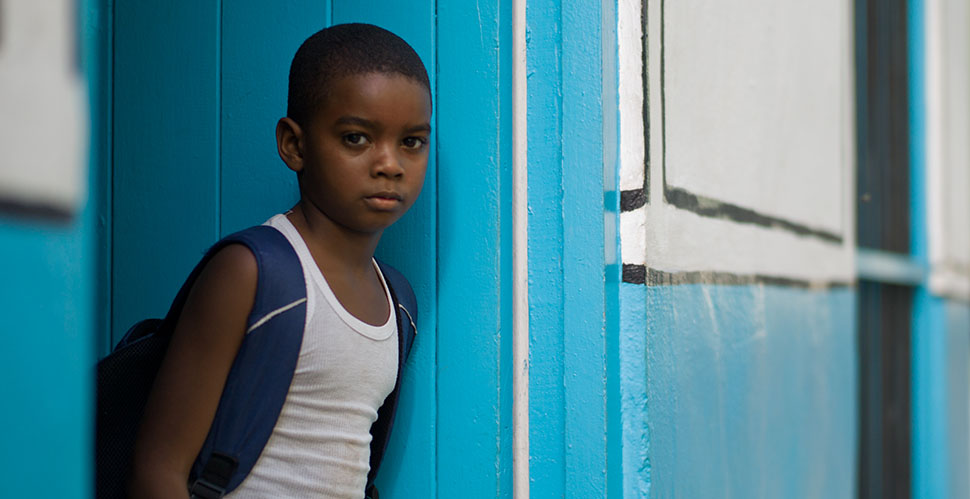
<point x="191" y="93"/>
<point x="195" y="92"/>
<point x="571" y="179"/>
<point x="46" y="356"/>
<point x="474" y="396"/>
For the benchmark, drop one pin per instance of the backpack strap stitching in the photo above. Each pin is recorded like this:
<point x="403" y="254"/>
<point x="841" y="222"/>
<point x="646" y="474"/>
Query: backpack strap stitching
<point x="410" y="319"/>
<point x="266" y="318"/>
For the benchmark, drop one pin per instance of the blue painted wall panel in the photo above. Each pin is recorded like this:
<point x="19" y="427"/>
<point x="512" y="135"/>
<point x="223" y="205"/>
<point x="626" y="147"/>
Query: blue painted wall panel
<point x="751" y="391"/>
<point x="613" y="286"/>
<point x="958" y="398"/>
<point x="96" y="41"/>
<point x="931" y="442"/>
<point x="634" y="406"/>
<point x="46" y="354"/>
<point x="584" y="300"/>
<point x="568" y="427"/>
<point x="547" y="425"/>
<point x="258" y="40"/>
<point x="930" y="446"/>
<point x="941" y="394"/>
<point x="474" y="249"/>
<point x="166" y="154"/>
<point x="635" y="442"/>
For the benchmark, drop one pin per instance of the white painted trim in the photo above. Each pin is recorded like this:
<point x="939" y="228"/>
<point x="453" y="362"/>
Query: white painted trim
<point x="950" y="281"/>
<point x="633" y="234"/>
<point x="520" y="257"/>
<point x="947" y="277"/>
<point x="945" y="39"/>
<point x="884" y="266"/>
<point x="654" y="97"/>
<point x="933" y="94"/>
<point x="630" y="68"/>
<point x="849" y="151"/>
<point x="669" y="239"/>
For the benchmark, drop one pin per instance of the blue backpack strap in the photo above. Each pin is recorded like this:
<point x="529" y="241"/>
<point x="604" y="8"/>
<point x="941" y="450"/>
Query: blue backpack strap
<point x="406" y="308"/>
<point x="261" y="374"/>
<point x="404" y="301"/>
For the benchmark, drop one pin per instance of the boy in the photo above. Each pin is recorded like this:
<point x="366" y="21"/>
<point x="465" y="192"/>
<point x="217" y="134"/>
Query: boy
<point x="356" y="134"/>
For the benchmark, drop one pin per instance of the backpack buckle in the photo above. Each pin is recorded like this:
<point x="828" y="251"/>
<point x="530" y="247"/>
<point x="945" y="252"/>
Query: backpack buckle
<point x="212" y="482"/>
<point x="203" y="489"/>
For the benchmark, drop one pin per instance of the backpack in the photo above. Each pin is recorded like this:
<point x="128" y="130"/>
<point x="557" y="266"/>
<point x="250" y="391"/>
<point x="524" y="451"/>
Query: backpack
<point x="257" y="383"/>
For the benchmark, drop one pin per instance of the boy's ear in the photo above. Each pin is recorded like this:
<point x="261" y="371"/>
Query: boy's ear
<point x="289" y="143"/>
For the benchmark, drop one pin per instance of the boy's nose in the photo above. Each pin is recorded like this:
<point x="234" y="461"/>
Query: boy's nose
<point x="387" y="163"/>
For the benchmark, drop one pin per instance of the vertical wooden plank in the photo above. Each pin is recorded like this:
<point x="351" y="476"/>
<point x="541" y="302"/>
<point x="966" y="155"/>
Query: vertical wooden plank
<point x="547" y="418"/>
<point x="46" y="349"/>
<point x="258" y="43"/>
<point x="567" y="293"/>
<point x="166" y="123"/>
<point x="408" y="468"/>
<point x="98" y="49"/>
<point x="475" y="249"/>
<point x="614" y="290"/>
<point x="928" y="447"/>
<point x="583" y="277"/>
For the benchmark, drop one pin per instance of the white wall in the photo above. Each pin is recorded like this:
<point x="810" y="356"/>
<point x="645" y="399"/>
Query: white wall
<point x="948" y="145"/>
<point x="753" y="105"/>
<point x="43" y="122"/>
<point x="750" y="111"/>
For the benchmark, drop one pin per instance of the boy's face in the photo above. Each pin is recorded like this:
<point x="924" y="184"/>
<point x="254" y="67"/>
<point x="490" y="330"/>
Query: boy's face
<point x="365" y="151"/>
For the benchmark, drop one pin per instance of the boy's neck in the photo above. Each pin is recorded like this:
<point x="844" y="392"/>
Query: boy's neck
<point x="334" y="244"/>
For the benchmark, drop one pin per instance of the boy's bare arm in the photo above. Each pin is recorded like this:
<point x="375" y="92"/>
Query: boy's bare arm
<point x="186" y="393"/>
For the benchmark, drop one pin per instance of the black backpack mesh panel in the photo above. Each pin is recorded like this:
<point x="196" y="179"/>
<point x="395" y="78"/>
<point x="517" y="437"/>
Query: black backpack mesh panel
<point x="125" y="379"/>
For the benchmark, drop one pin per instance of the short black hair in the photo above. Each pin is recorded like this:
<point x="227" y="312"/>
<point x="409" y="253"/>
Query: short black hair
<point x="346" y="50"/>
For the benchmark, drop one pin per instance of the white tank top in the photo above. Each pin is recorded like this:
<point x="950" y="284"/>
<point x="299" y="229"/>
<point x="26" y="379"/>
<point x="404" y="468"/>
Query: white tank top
<point x="320" y="446"/>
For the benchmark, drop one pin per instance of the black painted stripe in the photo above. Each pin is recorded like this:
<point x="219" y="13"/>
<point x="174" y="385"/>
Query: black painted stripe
<point x="641" y="274"/>
<point x="632" y="199"/>
<point x="663" y="96"/>
<point x="644" y="37"/>
<point x="634" y="274"/>
<point x="35" y="211"/>
<point x="713" y="208"/>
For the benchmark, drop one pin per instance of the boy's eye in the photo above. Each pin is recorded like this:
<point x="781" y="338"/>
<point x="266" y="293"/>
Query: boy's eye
<point x="355" y="139"/>
<point x="414" y="142"/>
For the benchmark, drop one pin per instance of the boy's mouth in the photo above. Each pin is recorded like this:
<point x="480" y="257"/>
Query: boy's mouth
<point x="386" y="200"/>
